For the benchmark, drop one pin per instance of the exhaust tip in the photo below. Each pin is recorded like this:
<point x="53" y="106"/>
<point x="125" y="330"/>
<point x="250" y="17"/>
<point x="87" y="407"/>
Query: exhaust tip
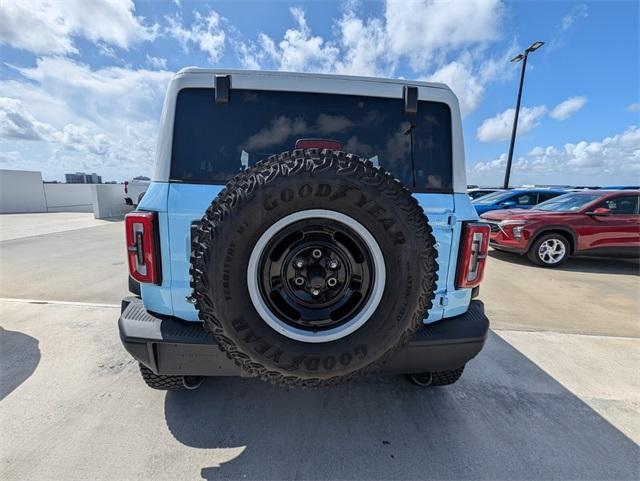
<point x="192" y="382"/>
<point x="423" y="379"/>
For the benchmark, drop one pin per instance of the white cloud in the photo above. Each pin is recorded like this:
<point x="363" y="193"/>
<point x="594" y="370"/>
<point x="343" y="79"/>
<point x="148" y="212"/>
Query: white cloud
<point x="49" y="27"/>
<point x="364" y="47"/>
<point x="299" y="50"/>
<point x="634" y="107"/>
<point x="18" y="124"/>
<point x="422" y="30"/>
<point x="576" y="13"/>
<point x="497" y="128"/>
<point x="610" y="160"/>
<point x="79" y="118"/>
<point x="159" y="63"/>
<point x="465" y="84"/>
<point x="248" y="54"/>
<point x="99" y="94"/>
<point x="565" y="109"/>
<point x="107" y="51"/>
<point x="441" y="42"/>
<point x="206" y="33"/>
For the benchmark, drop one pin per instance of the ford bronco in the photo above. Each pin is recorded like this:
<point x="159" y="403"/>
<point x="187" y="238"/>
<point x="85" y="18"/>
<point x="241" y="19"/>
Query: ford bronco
<point x="305" y="229"/>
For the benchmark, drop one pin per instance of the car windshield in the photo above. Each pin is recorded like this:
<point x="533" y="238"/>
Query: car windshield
<point x="567" y="202"/>
<point x="492" y="198"/>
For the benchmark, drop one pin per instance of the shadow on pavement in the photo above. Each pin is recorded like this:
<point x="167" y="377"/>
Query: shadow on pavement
<point x="19" y="356"/>
<point x="505" y="419"/>
<point x="591" y="265"/>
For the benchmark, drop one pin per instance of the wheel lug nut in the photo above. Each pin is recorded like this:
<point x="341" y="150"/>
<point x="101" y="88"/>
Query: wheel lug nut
<point x="299" y="263"/>
<point x="317" y="253"/>
<point x="333" y="264"/>
<point x="315" y="292"/>
<point x="298" y="281"/>
<point x="332" y="282"/>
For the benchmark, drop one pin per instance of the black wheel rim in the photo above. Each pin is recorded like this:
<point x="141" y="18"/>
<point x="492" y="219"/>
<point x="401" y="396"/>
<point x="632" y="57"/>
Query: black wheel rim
<point x="316" y="274"/>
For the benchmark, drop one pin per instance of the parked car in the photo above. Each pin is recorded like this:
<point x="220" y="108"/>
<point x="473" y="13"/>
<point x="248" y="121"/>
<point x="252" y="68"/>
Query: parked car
<point x="592" y="222"/>
<point x="134" y="191"/>
<point x="309" y="266"/>
<point x="514" y="199"/>
<point x="480" y="192"/>
<point x="621" y="187"/>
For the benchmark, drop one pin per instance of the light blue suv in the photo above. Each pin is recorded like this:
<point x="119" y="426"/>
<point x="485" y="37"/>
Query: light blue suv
<point x="307" y="230"/>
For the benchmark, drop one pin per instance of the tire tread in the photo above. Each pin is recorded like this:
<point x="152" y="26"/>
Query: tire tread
<point x="161" y="382"/>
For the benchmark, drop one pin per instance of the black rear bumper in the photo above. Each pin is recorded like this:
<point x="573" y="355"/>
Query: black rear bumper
<point x="169" y="346"/>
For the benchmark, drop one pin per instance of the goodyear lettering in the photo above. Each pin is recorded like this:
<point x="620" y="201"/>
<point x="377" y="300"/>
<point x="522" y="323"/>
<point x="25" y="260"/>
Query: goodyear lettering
<point x="312" y="363"/>
<point x="379" y="213"/>
<point x="267" y="350"/>
<point x="329" y="363"/>
<point x="286" y="195"/>
<point x="305" y="191"/>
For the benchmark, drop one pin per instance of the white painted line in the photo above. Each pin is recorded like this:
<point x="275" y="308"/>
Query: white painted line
<point x="563" y="333"/>
<point x="63" y="303"/>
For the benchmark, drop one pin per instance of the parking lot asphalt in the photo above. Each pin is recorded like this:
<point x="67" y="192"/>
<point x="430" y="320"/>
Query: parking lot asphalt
<point x="65" y="264"/>
<point x="554" y="395"/>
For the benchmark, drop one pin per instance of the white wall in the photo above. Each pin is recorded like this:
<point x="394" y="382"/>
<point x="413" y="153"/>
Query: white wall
<point x="69" y="197"/>
<point x="108" y="201"/>
<point x="21" y="191"/>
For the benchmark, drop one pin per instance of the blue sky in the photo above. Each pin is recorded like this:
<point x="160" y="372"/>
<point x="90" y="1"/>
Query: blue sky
<point x="81" y="84"/>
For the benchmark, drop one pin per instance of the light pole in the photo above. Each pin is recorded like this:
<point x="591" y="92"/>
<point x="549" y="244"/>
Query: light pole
<point x="521" y="56"/>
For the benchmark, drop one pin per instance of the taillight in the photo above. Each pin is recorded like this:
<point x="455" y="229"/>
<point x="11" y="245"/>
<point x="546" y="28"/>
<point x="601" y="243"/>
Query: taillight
<point x="143" y="249"/>
<point x="473" y="254"/>
<point x="318" y="144"/>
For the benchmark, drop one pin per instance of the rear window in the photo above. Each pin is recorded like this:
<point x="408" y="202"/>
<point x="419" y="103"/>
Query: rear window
<point x="213" y="142"/>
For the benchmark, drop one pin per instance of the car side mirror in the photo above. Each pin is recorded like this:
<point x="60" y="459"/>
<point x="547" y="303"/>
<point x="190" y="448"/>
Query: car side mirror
<point x="508" y="204"/>
<point x="600" y="211"/>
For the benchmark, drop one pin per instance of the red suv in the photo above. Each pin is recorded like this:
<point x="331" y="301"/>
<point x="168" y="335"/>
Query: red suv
<point x="605" y="223"/>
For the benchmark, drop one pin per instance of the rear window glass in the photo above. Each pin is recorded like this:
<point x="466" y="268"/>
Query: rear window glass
<point x="213" y="142"/>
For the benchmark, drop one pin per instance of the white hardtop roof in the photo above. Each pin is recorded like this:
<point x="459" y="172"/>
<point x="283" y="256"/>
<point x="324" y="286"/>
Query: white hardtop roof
<point x="328" y="76"/>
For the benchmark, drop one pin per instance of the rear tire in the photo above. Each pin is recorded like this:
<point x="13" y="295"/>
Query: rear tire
<point x="169" y="383"/>
<point x="549" y="250"/>
<point x="438" y="378"/>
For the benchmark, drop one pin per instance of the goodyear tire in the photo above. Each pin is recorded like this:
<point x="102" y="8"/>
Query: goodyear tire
<point x="312" y="268"/>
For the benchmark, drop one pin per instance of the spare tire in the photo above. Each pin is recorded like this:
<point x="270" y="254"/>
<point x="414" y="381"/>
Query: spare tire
<point x="313" y="267"/>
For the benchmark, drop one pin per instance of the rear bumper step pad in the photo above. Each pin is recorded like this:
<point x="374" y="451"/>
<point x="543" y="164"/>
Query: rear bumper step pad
<point x="170" y="346"/>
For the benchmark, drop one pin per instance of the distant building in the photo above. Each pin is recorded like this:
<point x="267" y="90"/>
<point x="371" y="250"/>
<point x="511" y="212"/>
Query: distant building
<point x="82" y="178"/>
<point x="141" y="177"/>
